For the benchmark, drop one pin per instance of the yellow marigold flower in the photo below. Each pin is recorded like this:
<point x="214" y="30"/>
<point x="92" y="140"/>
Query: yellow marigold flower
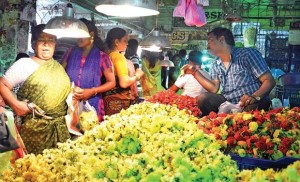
<point x="243" y="144"/>
<point x="276" y="133"/>
<point x="290" y="153"/>
<point x="253" y="126"/>
<point x="247" y="116"/>
<point x="242" y="152"/>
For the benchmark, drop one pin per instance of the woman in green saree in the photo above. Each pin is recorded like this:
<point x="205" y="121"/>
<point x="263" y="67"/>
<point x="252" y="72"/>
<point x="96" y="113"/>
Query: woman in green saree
<point x="151" y="81"/>
<point x="44" y="82"/>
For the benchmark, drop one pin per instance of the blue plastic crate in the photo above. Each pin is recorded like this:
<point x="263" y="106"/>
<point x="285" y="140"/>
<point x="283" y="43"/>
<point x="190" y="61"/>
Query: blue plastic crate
<point x="252" y="163"/>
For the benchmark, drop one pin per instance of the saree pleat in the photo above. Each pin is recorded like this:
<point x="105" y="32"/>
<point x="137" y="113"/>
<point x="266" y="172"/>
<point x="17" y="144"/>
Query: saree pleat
<point x="48" y="88"/>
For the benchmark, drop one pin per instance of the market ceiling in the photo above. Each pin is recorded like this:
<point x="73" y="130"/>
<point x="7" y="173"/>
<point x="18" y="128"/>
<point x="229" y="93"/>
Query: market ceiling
<point x="270" y="13"/>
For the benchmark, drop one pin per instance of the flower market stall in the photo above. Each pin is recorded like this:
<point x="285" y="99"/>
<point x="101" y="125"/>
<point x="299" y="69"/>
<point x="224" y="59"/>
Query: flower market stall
<point x="159" y="142"/>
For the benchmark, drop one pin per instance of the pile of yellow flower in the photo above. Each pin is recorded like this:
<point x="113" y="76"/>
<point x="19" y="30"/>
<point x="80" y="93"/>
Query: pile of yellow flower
<point x="147" y="142"/>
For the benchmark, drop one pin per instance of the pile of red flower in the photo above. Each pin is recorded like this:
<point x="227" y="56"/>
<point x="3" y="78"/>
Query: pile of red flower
<point x="269" y="135"/>
<point x="169" y="97"/>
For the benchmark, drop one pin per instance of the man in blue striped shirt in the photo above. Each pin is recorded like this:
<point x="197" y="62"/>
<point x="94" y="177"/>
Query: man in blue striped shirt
<point x="241" y="73"/>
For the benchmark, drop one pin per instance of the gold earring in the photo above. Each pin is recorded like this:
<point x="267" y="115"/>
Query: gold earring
<point x="92" y="39"/>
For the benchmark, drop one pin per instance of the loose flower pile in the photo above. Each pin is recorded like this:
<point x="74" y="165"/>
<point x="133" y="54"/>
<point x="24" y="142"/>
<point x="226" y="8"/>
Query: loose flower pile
<point x="269" y="135"/>
<point x="169" y="97"/>
<point x="147" y="142"/>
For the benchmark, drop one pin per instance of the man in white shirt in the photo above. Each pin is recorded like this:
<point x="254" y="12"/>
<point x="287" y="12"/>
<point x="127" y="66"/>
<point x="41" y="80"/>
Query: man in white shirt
<point x="187" y="82"/>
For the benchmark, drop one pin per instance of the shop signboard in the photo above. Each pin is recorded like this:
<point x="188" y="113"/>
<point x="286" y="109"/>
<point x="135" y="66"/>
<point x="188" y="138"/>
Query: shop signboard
<point x="190" y="39"/>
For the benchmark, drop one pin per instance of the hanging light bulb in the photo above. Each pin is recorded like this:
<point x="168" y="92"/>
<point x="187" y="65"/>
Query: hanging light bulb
<point x="67" y="25"/>
<point x="127" y="8"/>
<point x="166" y="62"/>
<point x="155" y="42"/>
<point x="233" y="17"/>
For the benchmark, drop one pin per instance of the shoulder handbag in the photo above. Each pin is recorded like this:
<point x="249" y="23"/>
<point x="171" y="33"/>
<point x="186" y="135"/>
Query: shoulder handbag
<point x="7" y="140"/>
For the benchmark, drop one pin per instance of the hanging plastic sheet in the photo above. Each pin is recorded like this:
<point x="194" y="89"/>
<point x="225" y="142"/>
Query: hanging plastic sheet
<point x="193" y="14"/>
<point x="180" y="9"/>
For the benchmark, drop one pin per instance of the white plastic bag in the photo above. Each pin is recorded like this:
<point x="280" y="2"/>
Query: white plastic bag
<point x="88" y="118"/>
<point x="203" y="2"/>
<point x="81" y="116"/>
<point x="74" y="110"/>
<point x="228" y="107"/>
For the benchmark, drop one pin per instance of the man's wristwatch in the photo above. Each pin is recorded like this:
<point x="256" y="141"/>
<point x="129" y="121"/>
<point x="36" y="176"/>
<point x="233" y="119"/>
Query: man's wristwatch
<point x="256" y="98"/>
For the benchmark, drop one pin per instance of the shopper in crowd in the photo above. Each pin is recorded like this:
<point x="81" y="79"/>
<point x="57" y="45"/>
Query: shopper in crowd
<point x="175" y="71"/>
<point x="168" y="73"/>
<point x="131" y="52"/>
<point x="45" y="83"/>
<point x="133" y="63"/>
<point x="120" y="97"/>
<point x="182" y="53"/>
<point x="89" y="67"/>
<point x="241" y="73"/>
<point x="151" y="82"/>
<point x="187" y="82"/>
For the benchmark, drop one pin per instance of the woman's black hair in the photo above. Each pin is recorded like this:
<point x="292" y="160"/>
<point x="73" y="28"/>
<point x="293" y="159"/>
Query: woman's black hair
<point x="196" y="57"/>
<point x="182" y="53"/>
<point x="221" y="31"/>
<point x="36" y="32"/>
<point x="97" y="40"/>
<point x="175" y="56"/>
<point x="114" y="34"/>
<point x="152" y="57"/>
<point x="21" y="55"/>
<point x="131" y="48"/>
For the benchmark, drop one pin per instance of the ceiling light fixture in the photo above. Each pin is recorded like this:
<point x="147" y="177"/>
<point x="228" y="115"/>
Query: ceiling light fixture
<point x="166" y="62"/>
<point x="67" y="25"/>
<point x="128" y="8"/>
<point x="233" y="17"/>
<point x="155" y="42"/>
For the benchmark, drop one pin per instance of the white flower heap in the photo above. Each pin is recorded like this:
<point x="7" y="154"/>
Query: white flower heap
<point x="147" y="142"/>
